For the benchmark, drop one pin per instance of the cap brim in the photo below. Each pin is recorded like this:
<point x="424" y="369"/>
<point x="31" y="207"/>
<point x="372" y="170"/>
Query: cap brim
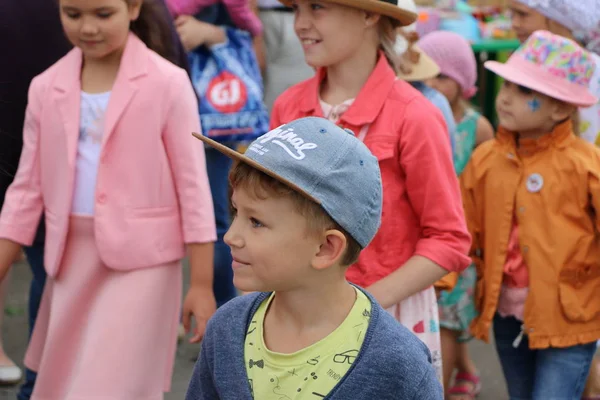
<point x="425" y="69"/>
<point x="237" y="156"/>
<point x="404" y="17"/>
<point x="541" y="82"/>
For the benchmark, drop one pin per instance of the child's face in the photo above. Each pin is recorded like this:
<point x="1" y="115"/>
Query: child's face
<point x="522" y="110"/>
<point x="270" y="244"/>
<point x="329" y="33"/>
<point x="98" y="27"/>
<point x="446" y="86"/>
<point x="526" y="20"/>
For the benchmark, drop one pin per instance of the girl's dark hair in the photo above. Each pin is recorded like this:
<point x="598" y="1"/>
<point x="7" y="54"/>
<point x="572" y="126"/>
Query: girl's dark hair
<point x="154" y="27"/>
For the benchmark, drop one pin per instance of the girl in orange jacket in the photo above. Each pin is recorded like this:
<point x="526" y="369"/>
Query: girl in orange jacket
<point x="532" y="197"/>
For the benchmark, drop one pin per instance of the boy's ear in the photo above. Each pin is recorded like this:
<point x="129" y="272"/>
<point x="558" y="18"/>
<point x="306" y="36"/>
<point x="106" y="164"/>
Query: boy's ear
<point x="331" y="251"/>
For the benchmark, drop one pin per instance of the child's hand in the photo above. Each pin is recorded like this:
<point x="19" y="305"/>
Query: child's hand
<point x="9" y="251"/>
<point x="199" y="302"/>
<point x="194" y="33"/>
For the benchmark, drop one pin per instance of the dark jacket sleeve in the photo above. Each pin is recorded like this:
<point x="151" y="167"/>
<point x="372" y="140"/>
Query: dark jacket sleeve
<point x="429" y="387"/>
<point x="202" y="385"/>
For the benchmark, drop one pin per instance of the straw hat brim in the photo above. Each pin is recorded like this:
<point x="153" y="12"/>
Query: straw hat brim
<point x="404" y="17"/>
<point x="425" y="69"/>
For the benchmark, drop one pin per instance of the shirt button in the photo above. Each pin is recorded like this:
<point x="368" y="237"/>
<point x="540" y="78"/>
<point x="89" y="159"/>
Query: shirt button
<point x="102" y="198"/>
<point x="522" y="210"/>
<point x="525" y="249"/>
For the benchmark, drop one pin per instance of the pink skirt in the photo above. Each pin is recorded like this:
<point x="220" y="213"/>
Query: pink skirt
<point x="104" y="334"/>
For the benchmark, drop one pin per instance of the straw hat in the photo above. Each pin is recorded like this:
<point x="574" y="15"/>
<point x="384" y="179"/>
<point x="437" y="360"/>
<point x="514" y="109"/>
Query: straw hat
<point x="398" y="10"/>
<point x="415" y="65"/>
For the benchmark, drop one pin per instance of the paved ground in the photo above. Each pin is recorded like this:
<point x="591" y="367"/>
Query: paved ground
<point x="15" y="341"/>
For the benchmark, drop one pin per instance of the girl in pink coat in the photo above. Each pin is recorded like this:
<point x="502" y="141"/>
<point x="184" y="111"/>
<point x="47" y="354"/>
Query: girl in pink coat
<point x="109" y="160"/>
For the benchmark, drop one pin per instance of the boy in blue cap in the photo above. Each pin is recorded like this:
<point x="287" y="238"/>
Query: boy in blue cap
<point x="307" y="198"/>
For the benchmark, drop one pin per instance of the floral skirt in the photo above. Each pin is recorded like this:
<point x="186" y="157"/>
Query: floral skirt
<point x="419" y="313"/>
<point x="457" y="308"/>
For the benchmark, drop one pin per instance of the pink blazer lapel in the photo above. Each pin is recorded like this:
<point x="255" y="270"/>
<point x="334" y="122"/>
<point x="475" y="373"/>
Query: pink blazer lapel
<point x="68" y="88"/>
<point x="134" y="64"/>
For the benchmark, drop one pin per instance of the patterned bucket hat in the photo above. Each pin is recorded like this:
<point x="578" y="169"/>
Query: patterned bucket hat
<point x="551" y="65"/>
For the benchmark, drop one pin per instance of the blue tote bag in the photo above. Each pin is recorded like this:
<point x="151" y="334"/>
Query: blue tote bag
<point x="229" y="85"/>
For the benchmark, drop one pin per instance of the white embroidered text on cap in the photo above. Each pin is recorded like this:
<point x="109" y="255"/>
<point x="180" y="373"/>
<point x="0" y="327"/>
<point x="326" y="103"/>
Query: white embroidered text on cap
<point x="288" y="136"/>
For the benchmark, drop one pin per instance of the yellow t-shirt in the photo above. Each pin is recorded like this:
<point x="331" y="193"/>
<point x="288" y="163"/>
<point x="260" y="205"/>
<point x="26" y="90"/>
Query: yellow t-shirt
<point x="311" y="372"/>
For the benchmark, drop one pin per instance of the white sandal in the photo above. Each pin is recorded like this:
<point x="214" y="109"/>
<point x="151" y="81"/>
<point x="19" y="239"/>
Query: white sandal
<point x="10" y="375"/>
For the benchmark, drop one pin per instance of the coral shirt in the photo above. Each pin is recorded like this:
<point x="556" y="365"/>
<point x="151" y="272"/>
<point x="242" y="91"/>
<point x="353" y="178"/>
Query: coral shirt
<point x="422" y="207"/>
<point x="515" y="283"/>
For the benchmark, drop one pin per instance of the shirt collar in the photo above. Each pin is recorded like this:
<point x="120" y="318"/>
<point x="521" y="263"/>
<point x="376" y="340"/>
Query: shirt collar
<point x="560" y="137"/>
<point x="369" y="102"/>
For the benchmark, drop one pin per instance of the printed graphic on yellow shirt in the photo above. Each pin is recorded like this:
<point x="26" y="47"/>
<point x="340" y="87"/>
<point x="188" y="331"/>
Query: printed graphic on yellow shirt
<point x="310" y="373"/>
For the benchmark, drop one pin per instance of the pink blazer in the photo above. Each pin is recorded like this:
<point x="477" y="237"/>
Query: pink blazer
<point x="152" y="192"/>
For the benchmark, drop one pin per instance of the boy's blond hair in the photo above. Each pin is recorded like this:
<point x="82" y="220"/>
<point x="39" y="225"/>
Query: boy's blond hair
<point x="261" y="186"/>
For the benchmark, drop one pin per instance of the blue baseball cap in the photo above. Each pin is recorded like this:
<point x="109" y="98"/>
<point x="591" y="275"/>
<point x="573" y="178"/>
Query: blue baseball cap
<point x="325" y="163"/>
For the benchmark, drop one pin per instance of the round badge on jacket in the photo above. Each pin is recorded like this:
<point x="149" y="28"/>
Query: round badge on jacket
<point x="535" y="182"/>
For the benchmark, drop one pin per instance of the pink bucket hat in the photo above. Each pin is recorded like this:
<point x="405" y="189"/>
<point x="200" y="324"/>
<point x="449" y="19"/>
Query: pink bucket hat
<point x="453" y="54"/>
<point x="551" y="65"/>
